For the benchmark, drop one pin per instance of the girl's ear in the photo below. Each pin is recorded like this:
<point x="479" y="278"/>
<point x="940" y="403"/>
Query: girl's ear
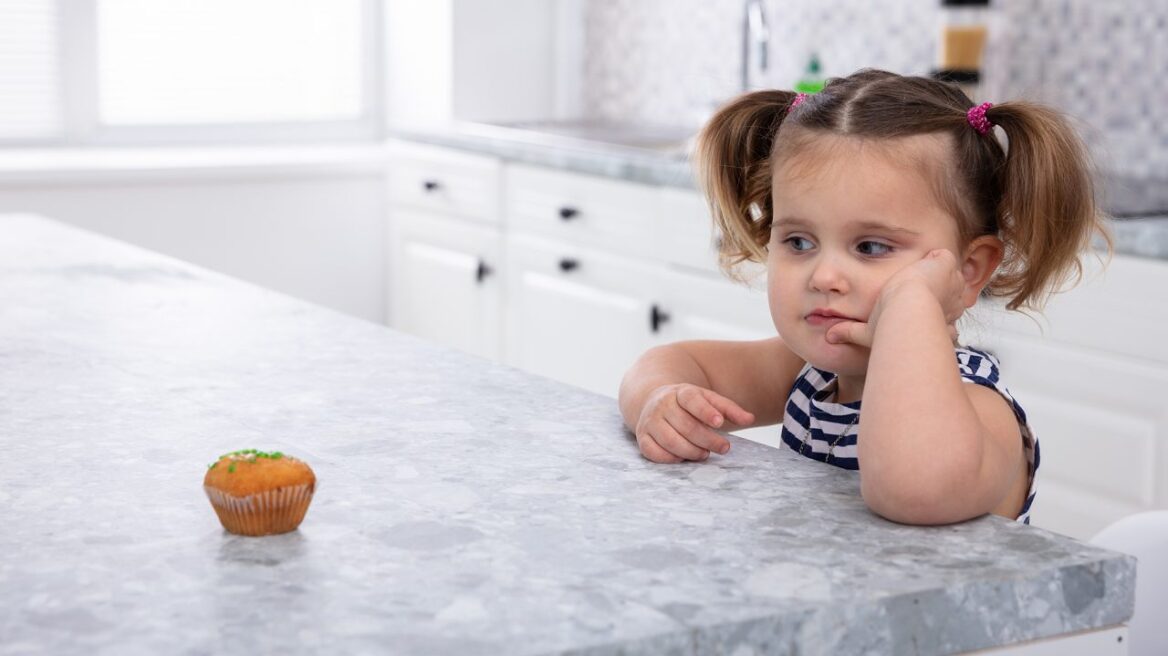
<point x="982" y="257"/>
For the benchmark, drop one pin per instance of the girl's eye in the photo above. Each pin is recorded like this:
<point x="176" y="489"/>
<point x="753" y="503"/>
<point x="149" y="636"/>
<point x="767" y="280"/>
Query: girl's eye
<point x="798" y="243"/>
<point x="873" y="248"/>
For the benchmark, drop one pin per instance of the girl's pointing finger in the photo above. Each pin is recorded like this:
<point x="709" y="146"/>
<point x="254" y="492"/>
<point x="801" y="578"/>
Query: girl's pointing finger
<point x="731" y="410"/>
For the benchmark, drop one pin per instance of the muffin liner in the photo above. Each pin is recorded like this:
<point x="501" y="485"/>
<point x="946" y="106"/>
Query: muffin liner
<point x="264" y="513"/>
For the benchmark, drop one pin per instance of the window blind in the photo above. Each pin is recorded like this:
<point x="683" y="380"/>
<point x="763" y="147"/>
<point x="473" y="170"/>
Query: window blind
<point x="30" y="92"/>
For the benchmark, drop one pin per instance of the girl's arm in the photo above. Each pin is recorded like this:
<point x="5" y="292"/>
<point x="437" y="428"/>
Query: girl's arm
<point x="934" y="450"/>
<point x="674" y="395"/>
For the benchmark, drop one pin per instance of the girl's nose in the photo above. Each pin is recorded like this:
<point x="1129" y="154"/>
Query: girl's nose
<point x="827" y="277"/>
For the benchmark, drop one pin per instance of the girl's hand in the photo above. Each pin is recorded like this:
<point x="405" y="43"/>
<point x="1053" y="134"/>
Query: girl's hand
<point x="677" y="423"/>
<point x="937" y="272"/>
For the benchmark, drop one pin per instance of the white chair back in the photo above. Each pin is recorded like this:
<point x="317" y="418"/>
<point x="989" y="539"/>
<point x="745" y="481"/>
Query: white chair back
<point x="1145" y="536"/>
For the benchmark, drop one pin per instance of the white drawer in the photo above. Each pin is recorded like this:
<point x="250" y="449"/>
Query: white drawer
<point x="580" y="209"/>
<point x="688" y="237"/>
<point x="1101" y="423"/>
<point x="441" y="180"/>
<point x="687" y="230"/>
<point x="1117" y="309"/>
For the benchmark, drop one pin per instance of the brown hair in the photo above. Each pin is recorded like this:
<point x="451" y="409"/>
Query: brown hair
<point x="1037" y="195"/>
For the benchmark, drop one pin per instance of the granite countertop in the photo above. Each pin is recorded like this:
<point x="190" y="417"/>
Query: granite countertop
<point x="1140" y="204"/>
<point x="462" y="507"/>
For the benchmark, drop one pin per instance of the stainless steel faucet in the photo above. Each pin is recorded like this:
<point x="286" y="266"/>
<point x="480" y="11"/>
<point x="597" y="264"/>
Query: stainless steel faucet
<point x="755" y="41"/>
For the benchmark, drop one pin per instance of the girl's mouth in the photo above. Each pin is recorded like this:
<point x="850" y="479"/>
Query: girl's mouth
<point x="824" y="318"/>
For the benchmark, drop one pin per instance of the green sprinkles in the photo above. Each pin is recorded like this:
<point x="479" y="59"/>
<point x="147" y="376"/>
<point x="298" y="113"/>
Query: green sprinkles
<point x="249" y="455"/>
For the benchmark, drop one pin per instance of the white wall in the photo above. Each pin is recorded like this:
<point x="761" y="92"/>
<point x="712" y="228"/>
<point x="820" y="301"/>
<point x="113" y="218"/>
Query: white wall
<point x="418" y="56"/>
<point x="504" y="60"/>
<point x="320" y="237"/>
<point x="478" y="60"/>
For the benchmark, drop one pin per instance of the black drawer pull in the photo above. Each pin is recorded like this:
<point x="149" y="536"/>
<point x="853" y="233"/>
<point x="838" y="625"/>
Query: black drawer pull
<point x="431" y="185"/>
<point x="568" y="264"/>
<point x="656" y="318"/>
<point x="568" y="213"/>
<point x="483" y="271"/>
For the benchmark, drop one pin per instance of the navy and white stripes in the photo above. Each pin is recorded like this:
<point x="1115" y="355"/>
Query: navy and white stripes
<point x="813" y="425"/>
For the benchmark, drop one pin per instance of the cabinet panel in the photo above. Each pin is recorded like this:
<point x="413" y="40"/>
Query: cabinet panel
<point x="446" y="285"/>
<point x="617" y="216"/>
<point x="576" y="315"/>
<point x="1118" y="309"/>
<point x="710" y="306"/>
<point x="448" y="182"/>
<point x="1102" y="424"/>
<point x="688" y="238"/>
<point x="686" y="230"/>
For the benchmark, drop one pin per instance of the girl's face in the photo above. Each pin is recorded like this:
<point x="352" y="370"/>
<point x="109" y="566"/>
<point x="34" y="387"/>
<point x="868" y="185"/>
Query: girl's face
<point x="847" y="216"/>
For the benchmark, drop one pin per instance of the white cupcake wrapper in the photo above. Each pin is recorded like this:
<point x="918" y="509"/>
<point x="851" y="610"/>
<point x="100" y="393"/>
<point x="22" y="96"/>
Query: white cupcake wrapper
<point x="264" y="513"/>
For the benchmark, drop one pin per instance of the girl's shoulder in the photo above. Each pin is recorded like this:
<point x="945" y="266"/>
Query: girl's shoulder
<point x="976" y="365"/>
<point x="981" y="367"/>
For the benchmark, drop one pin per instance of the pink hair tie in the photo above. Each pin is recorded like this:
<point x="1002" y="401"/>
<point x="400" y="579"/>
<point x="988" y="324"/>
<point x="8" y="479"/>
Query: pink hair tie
<point x="977" y="118"/>
<point x="799" y="97"/>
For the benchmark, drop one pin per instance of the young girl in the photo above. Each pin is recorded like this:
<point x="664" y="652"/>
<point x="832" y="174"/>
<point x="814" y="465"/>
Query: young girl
<point x="883" y="207"/>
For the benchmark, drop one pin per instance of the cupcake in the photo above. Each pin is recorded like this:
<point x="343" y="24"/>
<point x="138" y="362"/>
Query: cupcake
<point x="259" y="493"/>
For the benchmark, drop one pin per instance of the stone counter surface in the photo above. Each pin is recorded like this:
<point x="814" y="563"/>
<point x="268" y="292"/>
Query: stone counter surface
<point x="1143" y="237"/>
<point x="463" y="507"/>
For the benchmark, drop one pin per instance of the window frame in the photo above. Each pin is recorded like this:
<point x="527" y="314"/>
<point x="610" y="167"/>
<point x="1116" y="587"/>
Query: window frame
<point x="79" y="95"/>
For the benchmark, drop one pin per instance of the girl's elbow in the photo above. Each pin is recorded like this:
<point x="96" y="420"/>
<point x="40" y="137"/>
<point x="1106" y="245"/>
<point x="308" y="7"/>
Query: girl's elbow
<point x="918" y="503"/>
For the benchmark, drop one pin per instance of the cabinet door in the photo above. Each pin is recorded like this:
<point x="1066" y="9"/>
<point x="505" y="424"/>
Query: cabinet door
<point x="576" y="315"/>
<point x="711" y="306"/>
<point x="1092" y="374"/>
<point x="1101" y="426"/>
<point x="446" y="285"/>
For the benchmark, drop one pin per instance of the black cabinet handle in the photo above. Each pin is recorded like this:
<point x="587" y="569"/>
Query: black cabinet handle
<point x="483" y="271"/>
<point x="568" y="213"/>
<point x="568" y="264"/>
<point x="656" y="318"/>
<point x="431" y="185"/>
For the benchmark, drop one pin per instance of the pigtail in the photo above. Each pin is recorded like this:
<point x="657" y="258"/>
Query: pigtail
<point x="733" y="161"/>
<point x="1047" y="212"/>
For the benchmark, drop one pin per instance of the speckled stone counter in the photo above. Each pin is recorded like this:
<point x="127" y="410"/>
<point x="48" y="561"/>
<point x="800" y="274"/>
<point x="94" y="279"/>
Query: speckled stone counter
<point x="463" y="507"/>
<point x="1142" y="237"/>
<point x="634" y="165"/>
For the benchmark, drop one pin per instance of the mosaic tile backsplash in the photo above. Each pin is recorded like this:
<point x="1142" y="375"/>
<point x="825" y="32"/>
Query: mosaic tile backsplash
<point x="1104" y="63"/>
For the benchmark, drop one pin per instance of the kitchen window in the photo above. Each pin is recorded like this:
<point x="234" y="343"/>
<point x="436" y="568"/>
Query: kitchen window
<point x="118" y="72"/>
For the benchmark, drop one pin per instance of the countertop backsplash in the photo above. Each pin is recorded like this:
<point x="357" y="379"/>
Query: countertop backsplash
<point x="649" y="59"/>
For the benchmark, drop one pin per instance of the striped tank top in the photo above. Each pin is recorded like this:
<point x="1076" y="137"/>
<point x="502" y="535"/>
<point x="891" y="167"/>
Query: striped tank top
<point x="820" y="429"/>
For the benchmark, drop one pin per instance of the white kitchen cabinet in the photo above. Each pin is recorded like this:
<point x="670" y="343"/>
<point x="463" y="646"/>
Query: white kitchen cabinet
<point x="446" y="247"/>
<point x="615" y="216"/>
<point x="592" y="272"/>
<point x="452" y="183"/>
<point x="601" y="270"/>
<point x="685" y="230"/>
<point x="1092" y="374"/>
<point x="709" y="306"/>
<point x="577" y="315"/>
<point x="446" y="287"/>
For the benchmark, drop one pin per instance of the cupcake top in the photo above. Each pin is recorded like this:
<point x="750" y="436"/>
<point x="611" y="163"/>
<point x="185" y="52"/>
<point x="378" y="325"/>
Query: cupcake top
<point x="248" y="471"/>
